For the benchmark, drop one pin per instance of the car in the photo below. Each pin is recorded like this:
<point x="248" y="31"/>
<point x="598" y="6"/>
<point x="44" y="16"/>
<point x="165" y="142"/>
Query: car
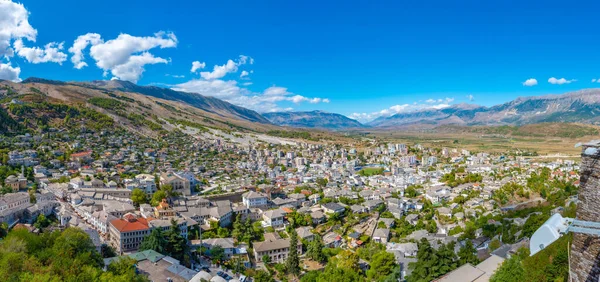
<point x="206" y="268"/>
<point x="220" y="273"/>
<point x="243" y="278"/>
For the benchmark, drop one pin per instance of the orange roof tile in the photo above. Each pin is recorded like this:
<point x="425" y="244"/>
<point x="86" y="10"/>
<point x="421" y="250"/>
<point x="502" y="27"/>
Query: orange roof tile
<point x="134" y="224"/>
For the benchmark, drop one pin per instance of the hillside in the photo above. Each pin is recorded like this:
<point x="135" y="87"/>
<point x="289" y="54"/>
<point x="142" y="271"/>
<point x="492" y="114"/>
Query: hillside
<point x="313" y="119"/>
<point x="205" y="103"/>
<point x="143" y="113"/>
<point x="575" y="107"/>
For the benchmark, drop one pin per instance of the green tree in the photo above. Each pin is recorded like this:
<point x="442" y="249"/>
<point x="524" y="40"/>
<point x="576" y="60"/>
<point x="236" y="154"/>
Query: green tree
<point x="315" y="249"/>
<point x="263" y="276"/>
<point x="425" y="267"/>
<point x="495" y="244"/>
<point x="382" y="264"/>
<point x="41" y="222"/>
<point x="467" y="254"/>
<point x="176" y="244"/>
<point x="293" y="262"/>
<point x="217" y="254"/>
<point x="266" y="259"/>
<point x="511" y="270"/>
<point x="157" y="197"/>
<point x="138" y="196"/>
<point x="155" y="241"/>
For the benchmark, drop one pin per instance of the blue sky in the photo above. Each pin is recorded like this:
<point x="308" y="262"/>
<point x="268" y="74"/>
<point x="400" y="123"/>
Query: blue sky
<point x="357" y="58"/>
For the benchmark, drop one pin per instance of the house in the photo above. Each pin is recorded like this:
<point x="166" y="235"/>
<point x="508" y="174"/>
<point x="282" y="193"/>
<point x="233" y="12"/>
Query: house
<point x="305" y="233"/>
<point x="389" y="222"/>
<point x="225" y="243"/>
<point x="298" y="199"/>
<point x="273" y="218"/>
<point x="407" y="249"/>
<point x="413" y="218"/>
<point x="276" y="248"/>
<point x="315" y="198"/>
<point x="358" y="209"/>
<point x="333" y="208"/>
<point x="253" y="199"/>
<point x="443" y="211"/>
<point x="332" y="240"/>
<point x="163" y="209"/>
<point x="381" y="235"/>
<point x="317" y="217"/>
<point x="179" y="184"/>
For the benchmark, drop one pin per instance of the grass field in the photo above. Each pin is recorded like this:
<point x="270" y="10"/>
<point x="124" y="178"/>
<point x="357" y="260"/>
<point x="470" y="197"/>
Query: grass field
<point x="368" y="171"/>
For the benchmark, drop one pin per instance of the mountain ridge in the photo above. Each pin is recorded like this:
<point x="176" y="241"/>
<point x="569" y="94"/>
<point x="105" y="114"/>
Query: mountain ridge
<point x="582" y="106"/>
<point x="313" y="119"/>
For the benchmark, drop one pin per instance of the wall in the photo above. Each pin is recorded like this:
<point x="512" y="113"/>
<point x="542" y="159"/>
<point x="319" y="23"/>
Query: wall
<point x="585" y="250"/>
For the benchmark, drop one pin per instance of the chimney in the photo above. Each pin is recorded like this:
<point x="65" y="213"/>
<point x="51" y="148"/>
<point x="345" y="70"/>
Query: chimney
<point x="585" y="249"/>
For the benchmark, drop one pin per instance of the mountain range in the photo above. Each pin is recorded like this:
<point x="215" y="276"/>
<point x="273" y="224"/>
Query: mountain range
<point x="580" y="106"/>
<point x="575" y="107"/>
<point x="313" y="119"/>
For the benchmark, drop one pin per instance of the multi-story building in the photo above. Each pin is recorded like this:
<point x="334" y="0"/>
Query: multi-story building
<point x="13" y="206"/>
<point x="179" y="184"/>
<point x="276" y="248"/>
<point x="127" y="233"/>
<point x="255" y="199"/>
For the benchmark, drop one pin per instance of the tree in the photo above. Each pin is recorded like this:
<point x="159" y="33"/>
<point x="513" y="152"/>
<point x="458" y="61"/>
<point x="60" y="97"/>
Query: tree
<point x="315" y="249"/>
<point x="382" y="264"/>
<point x="157" y="197"/>
<point x="263" y="276"/>
<point x="511" y="270"/>
<point x="155" y="241"/>
<point x="467" y="254"/>
<point x="217" y="254"/>
<point x="495" y="244"/>
<point x="424" y="268"/>
<point x="176" y="244"/>
<point x="138" y="196"/>
<point x="293" y="262"/>
<point x="266" y="259"/>
<point x="41" y="222"/>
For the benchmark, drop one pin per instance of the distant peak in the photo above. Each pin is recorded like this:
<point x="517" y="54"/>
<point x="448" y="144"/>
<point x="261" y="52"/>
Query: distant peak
<point x="42" y="80"/>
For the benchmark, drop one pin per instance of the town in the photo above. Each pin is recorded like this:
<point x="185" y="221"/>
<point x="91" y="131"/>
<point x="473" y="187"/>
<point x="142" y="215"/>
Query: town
<point x="193" y="207"/>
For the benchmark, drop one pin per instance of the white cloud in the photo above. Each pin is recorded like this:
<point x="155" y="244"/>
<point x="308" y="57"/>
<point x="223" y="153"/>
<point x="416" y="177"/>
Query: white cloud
<point x="14" y="24"/>
<point x="7" y="72"/>
<point x="530" y="82"/>
<point x="230" y="67"/>
<point x="244" y="74"/>
<point x="596" y="80"/>
<point x="403" y="108"/>
<point x="133" y="68"/>
<point x="247" y="83"/>
<point x="82" y="42"/>
<point x="275" y="91"/>
<point x="196" y="65"/>
<point x="125" y="56"/>
<point x="559" y="81"/>
<point x="230" y="91"/>
<point x="470" y="97"/>
<point x="50" y="53"/>
<point x="175" y="75"/>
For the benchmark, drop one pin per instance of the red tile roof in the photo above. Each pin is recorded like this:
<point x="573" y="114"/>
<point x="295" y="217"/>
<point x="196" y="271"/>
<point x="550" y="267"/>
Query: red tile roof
<point x="130" y="224"/>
